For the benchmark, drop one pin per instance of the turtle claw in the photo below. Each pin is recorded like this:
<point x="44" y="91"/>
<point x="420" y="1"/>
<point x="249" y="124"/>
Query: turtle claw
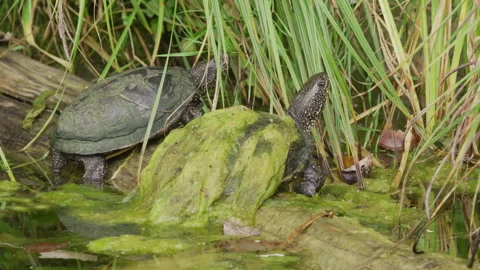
<point x="313" y="180"/>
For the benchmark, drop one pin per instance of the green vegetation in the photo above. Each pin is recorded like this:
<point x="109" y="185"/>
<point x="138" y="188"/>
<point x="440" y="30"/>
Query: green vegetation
<point x="227" y="168"/>
<point x="409" y="65"/>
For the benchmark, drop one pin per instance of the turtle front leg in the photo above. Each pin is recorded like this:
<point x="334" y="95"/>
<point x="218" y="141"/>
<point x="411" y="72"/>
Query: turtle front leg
<point x="192" y="112"/>
<point x="59" y="160"/>
<point x="95" y="170"/>
<point x="313" y="180"/>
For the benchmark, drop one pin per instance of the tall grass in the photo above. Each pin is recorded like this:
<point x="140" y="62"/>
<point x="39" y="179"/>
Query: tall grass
<point x="413" y="60"/>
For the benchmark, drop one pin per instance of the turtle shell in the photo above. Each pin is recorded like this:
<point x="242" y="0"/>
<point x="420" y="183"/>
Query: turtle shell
<point x="114" y="113"/>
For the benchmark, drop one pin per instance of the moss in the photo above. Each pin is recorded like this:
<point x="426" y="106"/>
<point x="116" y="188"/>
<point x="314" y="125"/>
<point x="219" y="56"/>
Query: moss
<point x="13" y="197"/>
<point x="84" y="205"/>
<point x="225" y="163"/>
<point x="372" y="208"/>
<point x="7" y="188"/>
<point x="217" y="261"/>
<point x="136" y="244"/>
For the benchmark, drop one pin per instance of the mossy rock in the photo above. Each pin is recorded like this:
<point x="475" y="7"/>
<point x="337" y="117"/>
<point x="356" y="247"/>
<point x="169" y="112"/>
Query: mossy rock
<point x="222" y="165"/>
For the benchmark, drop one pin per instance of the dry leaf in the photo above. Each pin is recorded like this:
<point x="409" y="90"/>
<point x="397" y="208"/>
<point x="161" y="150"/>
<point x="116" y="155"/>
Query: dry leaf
<point x="392" y="140"/>
<point x="349" y="175"/>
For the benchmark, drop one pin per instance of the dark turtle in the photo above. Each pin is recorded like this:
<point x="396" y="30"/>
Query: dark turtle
<point x="305" y="110"/>
<point x="114" y="114"/>
<point x="233" y="159"/>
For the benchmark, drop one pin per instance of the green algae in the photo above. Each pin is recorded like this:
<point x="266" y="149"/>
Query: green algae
<point x="7" y="188"/>
<point x="81" y="205"/>
<point x="217" y="261"/>
<point x="218" y="166"/>
<point x="136" y="244"/>
<point x="14" y="198"/>
<point x="374" y="207"/>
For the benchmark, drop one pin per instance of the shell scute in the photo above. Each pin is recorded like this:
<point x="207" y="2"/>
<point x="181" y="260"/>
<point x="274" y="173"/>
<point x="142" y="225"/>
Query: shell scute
<point x="114" y="113"/>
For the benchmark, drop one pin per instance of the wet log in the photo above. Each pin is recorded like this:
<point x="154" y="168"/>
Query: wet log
<point x="23" y="79"/>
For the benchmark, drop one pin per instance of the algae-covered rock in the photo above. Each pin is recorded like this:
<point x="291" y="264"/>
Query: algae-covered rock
<point x="221" y="165"/>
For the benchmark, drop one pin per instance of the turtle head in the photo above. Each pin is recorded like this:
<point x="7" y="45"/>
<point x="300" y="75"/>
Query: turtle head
<point x="308" y="104"/>
<point x="204" y="75"/>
